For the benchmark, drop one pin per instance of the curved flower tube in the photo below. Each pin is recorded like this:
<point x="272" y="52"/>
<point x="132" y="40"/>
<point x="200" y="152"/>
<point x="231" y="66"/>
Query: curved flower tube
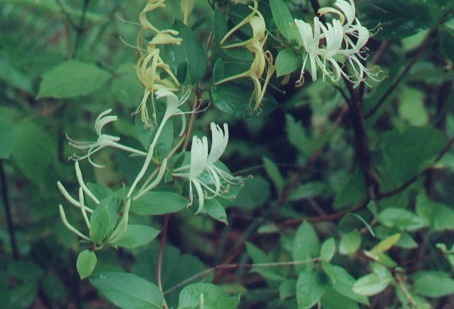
<point x="104" y="140"/>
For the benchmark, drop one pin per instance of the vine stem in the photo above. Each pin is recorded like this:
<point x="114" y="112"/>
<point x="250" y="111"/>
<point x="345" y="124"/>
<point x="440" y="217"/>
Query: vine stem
<point x="236" y="266"/>
<point x="161" y="253"/>
<point x="8" y="214"/>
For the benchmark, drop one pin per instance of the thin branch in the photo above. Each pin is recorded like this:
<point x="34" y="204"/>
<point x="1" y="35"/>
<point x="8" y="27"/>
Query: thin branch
<point x="236" y="266"/>
<point x="8" y="214"/>
<point x="161" y="250"/>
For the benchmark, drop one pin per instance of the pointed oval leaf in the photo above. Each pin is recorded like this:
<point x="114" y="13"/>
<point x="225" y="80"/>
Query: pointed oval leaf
<point x="72" y="79"/>
<point x="159" y="203"/>
<point x="207" y="295"/>
<point x="128" y="290"/>
<point x="137" y="235"/>
<point x="86" y="263"/>
<point x="370" y="285"/>
<point x="309" y="288"/>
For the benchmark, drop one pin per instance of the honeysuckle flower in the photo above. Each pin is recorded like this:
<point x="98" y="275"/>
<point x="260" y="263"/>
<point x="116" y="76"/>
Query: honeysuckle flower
<point x="203" y="172"/>
<point x="104" y="140"/>
<point x="329" y="47"/>
<point x="262" y="59"/>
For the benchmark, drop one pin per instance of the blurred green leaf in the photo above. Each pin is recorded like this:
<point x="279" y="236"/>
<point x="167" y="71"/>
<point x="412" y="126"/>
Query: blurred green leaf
<point x="327" y="250"/>
<point x="137" y="235"/>
<point x="128" y="290"/>
<point x="283" y="19"/>
<point x="371" y="284"/>
<point x="103" y="219"/>
<point x="305" y="244"/>
<point x="438" y="216"/>
<point x="398" y="19"/>
<point x="309" y="288"/>
<point x="273" y="172"/>
<point x="287" y="61"/>
<point x="72" y="79"/>
<point x="159" y="203"/>
<point x="215" y="210"/>
<point x="350" y="242"/>
<point x="433" y="283"/>
<point x="400" y="218"/>
<point x="7" y="138"/>
<point x="86" y="263"/>
<point x="207" y="295"/>
<point x="255" y="193"/>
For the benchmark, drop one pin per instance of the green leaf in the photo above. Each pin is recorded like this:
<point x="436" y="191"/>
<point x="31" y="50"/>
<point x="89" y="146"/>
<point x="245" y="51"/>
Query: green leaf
<point x="334" y="300"/>
<point x="34" y="160"/>
<point x="307" y="190"/>
<point x="287" y="61"/>
<point x="447" y="42"/>
<point x="398" y="18"/>
<point x="327" y="250"/>
<point x="283" y="19"/>
<point x="260" y="257"/>
<point x="189" y="56"/>
<point x="86" y="263"/>
<point x="255" y="193"/>
<point x="7" y="139"/>
<point x="273" y="172"/>
<point x="128" y="290"/>
<point x="309" y="288"/>
<point x="371" y="284"/>
<point x="159" y="203"/>
<point x="438" y="216"/>
<point x="406" y="153"/>
<point x="103" y="219"/>
<point x="400" y="218"/>
<point x="219" y="25"/>
<point x="137" y="235"/>
<point x="350" y="243"/>
<point x="385" y="244"/>
<point x="433" y="283"/>
<point x="342" y="282"/>
<point x="287" y="289"/>
<point x="126" y="86"/>
<point x="411" y="106"/>
<point x="215" y="210"/>
<point x="305" y="244"/>
<point x="72" y="79"/>
<point x="207" y="295"/>
<point x="236" y="100"/>
<point x="352" y="192"/>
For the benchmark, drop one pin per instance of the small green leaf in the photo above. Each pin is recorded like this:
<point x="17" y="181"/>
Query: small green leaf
<point x="309" y="288"/>
<point x="327" y="250"/>
<point x="219" y="25"/>
<point x="159" y="203"/>
<point x="287" y="289"/>
<point x="342" y="282"/>
<point x="255" y="193"/>
<point x="215" y="210"/>
<point x="370" y="285"/>
<point x="207" y="295"/>
<point x="103" y="219"/>
<point x="305" y="244"/>
<point x="433" y="283"/>
<point x="72" y="79"/>
<point x="259" y="257"/>
<point x="307" y="190"/>
<point x="273" y="172"/>
<point x="287" y="61"/>
<point x="235" y="99"/>
<point x="86" y="263"/>
<point x="400" y="218"/>
<point x="128" y="290"/>
<point x="385" y="244"/>
<point x="283" y="19"/>
<point x="350" y="243"/>
<point x="137" y="235"/>
<point x="437" y="215"/>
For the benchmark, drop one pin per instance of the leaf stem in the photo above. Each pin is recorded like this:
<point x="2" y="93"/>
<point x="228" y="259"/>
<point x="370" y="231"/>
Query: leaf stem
<point x="161" y="253"/>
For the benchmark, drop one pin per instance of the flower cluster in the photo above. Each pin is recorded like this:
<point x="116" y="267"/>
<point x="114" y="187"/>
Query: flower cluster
<point x="204" y="172"/>
<point x="330" y="46"/>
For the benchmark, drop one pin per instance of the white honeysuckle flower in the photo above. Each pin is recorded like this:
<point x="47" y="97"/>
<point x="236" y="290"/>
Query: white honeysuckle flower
<point x="173" y="104"/>
<point x="329" y="47"/>
<point x="104" y="140"/>
<point x="203" y="172"/>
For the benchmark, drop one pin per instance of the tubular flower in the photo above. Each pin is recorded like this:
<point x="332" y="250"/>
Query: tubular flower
<point x="262" y="58"/>
<point x="152" y="71"/>
<point x="329" y="47"/>
<point x="203" y="172"/>
<point x="104" y="140"/>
